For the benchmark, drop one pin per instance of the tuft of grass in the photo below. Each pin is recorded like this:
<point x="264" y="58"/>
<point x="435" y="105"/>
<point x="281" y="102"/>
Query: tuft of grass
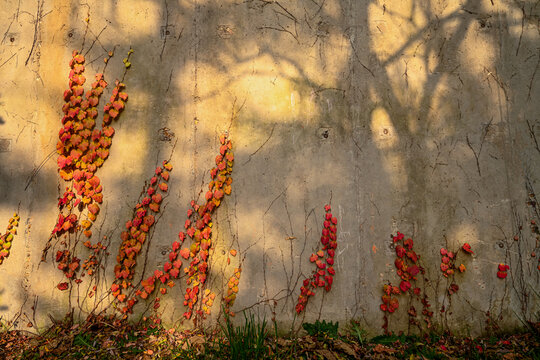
<point x="245" y="341"/>
<point x="358" y="333"/>
<point x="322" y="330"/>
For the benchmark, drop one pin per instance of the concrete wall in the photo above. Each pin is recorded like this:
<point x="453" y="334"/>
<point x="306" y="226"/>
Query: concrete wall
<point x="412" y="116"/>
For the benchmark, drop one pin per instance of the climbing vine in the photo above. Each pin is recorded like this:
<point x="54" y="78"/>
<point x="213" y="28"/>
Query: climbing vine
<point x="323" y="275"/>
<point x="136" y="233"/>
<point x="198" y="227"/>
<point x="7" y="238"/>
<point x="82" y="148"/>
<point x="407" y="268"/>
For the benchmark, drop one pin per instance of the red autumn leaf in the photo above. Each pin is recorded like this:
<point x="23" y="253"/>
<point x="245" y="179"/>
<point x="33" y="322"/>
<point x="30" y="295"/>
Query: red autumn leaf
<point x="64" y="161"/>
<point x="313" y="258"/>
<point x="108" y="131"/>
<point x="416" y="291"/>
<point x="62" y="286"/>
<point x="412" y="255"/>
<point x="400" y="251"/>
<point x="394" y="304"/>
<point x="503" y="267"/>
<point x="174" y="273"/>
<point x="331" y="270"/>
<point x="444" y="251"/>
<point x="467" y="248"/>
<point x="413" y="270"/>
<point x="113" y="113"/>
<point x="184" y="253"/>
<point x="462" y="268"/>
<point x="404" y="286"/>
<point x="327" y="208"/>
<point x="118" y="105"/>
<point x="320" y="264"/>
<point x="445" y="259"/>
<point x="93" y="208"/>
<point x="408" y="243"/>
<point x="154" y="207"/>
<point x="330" y="261"/>
<point x="165" y="175"/>
<point x="218" y="194"/>
<point x="163" y="187"/>
<point x="59" y="255"/>
<point x="444" y="267"/>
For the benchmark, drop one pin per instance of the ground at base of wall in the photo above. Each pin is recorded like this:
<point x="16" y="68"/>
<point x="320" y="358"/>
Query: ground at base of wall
<point x="107" y="338"/>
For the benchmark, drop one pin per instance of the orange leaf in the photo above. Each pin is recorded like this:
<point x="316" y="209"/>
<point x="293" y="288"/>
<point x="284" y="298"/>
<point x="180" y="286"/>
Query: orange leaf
<point x="93" y="208"/>
<point x="233" y="252"/>
<point x="184" y="253"/>
<point x="62" y="286"/>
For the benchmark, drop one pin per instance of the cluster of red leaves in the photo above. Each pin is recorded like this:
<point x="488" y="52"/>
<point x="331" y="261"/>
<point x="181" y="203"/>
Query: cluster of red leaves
<point x="135" y="235"/>
<point x="448" y="260"/>
<point x="89" y="265"/>
<point x="323" y="275"/>
<point x="69" y="265"/>
<point x="407" y="269"/>
<point x="502" y="273"/>
<point x="232" y="290"/>
<point x="83" y="148"/>
<point x="199" y="228"/>
<point x="199" y="225"/>
<point x="7" y="238"/>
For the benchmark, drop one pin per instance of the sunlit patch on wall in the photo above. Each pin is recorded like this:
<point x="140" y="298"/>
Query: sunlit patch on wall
<point x="464" y="233"/>
<point x="382" y="130"/>
<point x="141" y="17"/>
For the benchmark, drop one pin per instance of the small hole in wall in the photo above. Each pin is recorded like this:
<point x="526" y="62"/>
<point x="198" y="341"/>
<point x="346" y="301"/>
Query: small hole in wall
<point x="385" y="131"/>
<point x="324" y="133"/>
<point x="12" y="39"/>
<point x="501" y="244"/>
<point x="167" y="32"/>
<point x="163" y="253"/>
<point x="70" y="34"/>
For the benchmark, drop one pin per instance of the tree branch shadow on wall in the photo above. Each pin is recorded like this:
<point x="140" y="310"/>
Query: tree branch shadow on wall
<point x="350" y="89"/>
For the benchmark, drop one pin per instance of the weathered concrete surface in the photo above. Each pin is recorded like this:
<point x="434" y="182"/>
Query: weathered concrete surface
<point x="411" y="116"/>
